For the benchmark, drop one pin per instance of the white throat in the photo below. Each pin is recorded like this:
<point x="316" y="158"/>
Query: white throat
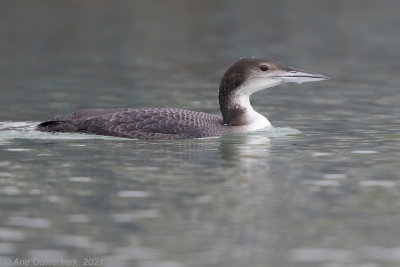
<point x="255" y="120"/>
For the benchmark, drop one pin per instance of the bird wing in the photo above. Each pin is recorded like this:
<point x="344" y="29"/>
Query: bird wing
<point x="149" y="123"/>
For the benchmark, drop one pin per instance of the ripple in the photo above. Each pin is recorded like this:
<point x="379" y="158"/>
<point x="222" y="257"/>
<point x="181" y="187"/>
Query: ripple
<point x="334" y="176"/>
<point x="115" y="261"/>
<point x="100" y="248"/>
<point x="6" y="174"/>
<point x="18" y="149"/>
<point x="80" y="179"/>
<point x="364" y="152"/>
<point x="47" y="256"/>
<point x="138" y="253"/>
<point x="29" y="222"/>
<point x="8" y="234"/>
<point x="142" y="168"/>
<point x="26" y="130"/>
<point x="204" y="199"/>
<point x="11" y="190"/>
<point x="14" y="124"/>
<point x="53" y="198"/>
<point x="383" y="254"/>
<point x="133" y="194"/>
<point x="321" y="154"/>
<point x="7" y="248"/>
<point x="381" y="183"/>
<point x="34" y="192"/>
<point x="78" y="218"/>
<point x="321" y="182"/>
<point x="319" y="254"/>
<point x="73" y="240"/>
<point x="130" y="217"/>
<point x="278" y="131"/>
<point x="6" y="261"/>
<point x="160" y="264"/>
<point x="342" y="255"/>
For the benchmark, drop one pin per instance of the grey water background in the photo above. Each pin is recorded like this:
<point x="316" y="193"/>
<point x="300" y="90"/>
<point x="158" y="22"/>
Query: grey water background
<point x="321" y="189"/>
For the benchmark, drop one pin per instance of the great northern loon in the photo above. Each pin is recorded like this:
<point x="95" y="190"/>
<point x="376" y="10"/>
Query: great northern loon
<point x="245" y="77"/>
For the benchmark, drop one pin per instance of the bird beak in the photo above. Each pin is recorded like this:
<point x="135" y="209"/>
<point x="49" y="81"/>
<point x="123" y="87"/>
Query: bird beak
<point x="300" y="76"/>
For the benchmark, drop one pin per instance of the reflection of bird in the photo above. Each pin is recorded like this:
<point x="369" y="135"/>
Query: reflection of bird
<point x="243" y="78"/>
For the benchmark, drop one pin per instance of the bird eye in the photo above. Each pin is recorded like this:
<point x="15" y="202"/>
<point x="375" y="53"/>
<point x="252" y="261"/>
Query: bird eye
<point x="264" y="67"/>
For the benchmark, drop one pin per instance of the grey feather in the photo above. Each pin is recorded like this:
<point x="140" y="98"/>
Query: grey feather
<point x="143" y="123"/>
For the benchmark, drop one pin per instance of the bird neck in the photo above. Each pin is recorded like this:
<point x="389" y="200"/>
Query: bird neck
<point x="237" y="111"/>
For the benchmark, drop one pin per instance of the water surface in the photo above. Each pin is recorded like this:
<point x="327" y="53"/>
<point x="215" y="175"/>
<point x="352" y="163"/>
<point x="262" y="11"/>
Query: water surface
<point x="321" y="189"/>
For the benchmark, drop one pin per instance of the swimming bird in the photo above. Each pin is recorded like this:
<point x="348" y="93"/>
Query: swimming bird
<point x="244" y="77"/>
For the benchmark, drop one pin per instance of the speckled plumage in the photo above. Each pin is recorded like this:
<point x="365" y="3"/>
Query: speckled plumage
<point x="142" y="123"/>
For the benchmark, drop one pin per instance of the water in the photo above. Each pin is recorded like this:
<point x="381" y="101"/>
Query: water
<point x="320" y="189"/>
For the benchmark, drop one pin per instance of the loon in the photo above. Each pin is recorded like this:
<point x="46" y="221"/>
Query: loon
<point x="244" y="77"/>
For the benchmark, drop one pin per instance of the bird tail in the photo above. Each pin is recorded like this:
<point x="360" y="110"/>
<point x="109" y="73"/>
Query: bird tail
<point x="56" y="126"/>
